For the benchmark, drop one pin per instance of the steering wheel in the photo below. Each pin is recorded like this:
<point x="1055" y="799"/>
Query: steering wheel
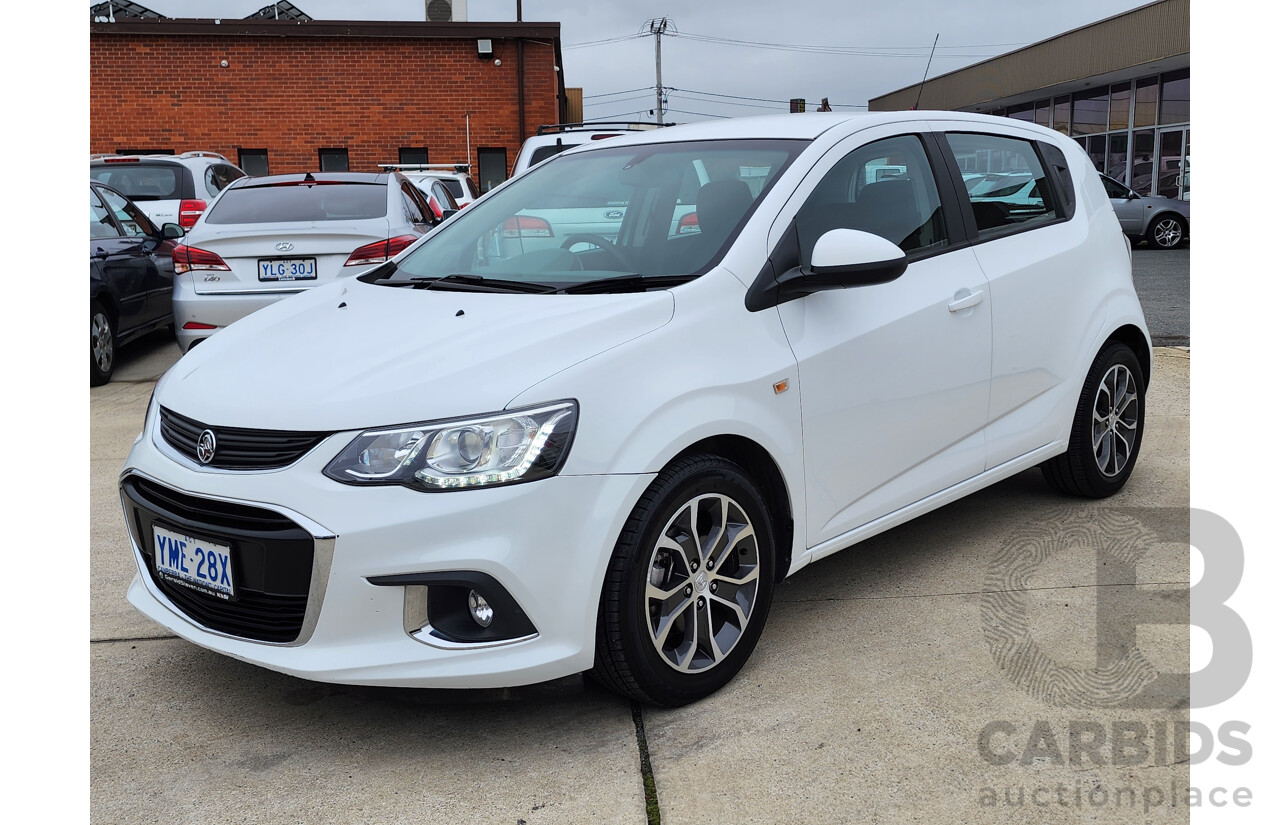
<point x="601" y="241"/>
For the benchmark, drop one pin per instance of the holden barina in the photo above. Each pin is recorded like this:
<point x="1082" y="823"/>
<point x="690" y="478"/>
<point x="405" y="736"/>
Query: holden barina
<point x="526" y="447"/>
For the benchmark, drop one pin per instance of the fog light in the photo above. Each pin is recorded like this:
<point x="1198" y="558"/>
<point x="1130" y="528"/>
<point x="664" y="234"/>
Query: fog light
<point x="481" y="612"/>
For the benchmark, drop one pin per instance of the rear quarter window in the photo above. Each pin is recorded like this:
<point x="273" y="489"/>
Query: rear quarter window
<point x="287" y="203"/>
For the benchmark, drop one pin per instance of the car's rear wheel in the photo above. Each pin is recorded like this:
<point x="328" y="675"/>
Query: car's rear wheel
<point x="102" y="345"/>
<point x="1167" y="232"/>
<point x="689" y="585"/>
<point x="1106" y="432"/>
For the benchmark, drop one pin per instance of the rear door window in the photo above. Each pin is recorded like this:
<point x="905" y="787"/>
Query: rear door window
<point x="100" y="223"/>
<point x="1015" y="193"/>
<point x="130" y="218"/>
<point x="290" y="202"/>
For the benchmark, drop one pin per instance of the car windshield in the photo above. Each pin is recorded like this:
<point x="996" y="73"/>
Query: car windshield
<point x="300" y="201"/>
<point x="628" y="213"/>
<point x="141" y="182"/>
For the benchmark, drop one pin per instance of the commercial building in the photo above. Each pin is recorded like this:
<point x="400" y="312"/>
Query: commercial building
<point x="295" y="95"/>
<point x="1121" y="87"/>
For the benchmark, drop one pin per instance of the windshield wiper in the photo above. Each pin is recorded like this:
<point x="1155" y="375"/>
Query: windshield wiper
<point x="466" y="283"/>
<point x="624" y="283"/>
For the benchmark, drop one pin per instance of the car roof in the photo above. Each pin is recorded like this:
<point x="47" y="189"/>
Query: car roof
<point x="798" y="126"/>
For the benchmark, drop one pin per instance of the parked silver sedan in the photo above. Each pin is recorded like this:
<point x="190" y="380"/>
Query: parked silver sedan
<point x="1165" y="223"/>
<point x="266" y="238"/>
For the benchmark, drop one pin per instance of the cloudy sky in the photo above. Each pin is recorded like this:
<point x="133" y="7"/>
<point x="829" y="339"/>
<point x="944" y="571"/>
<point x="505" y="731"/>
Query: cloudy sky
<point x="845" y="51"/>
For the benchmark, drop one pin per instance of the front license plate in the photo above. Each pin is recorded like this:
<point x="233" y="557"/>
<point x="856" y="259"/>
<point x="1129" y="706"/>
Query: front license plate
<point x="197" y="563"/>
<point x="287" y="269"/>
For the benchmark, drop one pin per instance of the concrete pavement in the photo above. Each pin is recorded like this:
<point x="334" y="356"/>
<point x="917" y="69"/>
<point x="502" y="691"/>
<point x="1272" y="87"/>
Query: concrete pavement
<point x="919" y="677"/>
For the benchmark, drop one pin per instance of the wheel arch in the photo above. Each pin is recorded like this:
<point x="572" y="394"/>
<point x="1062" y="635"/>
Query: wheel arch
<point x="761" y="467"/>
<point x="1136" y="340"/>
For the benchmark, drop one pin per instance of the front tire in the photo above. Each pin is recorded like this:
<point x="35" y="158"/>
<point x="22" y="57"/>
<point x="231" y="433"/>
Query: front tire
<point x="102" y="345"/>
<point x="1106" y="432"/>
<point x="689" y="586"/>
<point x="1167" y="232"/>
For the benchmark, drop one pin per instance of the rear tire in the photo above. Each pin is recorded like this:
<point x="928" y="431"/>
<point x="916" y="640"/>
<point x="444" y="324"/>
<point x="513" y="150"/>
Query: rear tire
<point x="1106" y="432"/>
<point x="1167" y="232"/>
<point x="688" y="588"/>
<point x="102" y="345"/>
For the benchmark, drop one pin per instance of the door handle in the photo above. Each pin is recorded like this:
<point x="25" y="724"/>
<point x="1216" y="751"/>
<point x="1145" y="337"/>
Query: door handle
<point x="965" y="301"/>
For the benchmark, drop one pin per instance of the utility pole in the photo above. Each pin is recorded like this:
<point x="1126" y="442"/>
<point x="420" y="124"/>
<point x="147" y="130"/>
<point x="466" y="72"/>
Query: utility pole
<point x="658" y="28"/>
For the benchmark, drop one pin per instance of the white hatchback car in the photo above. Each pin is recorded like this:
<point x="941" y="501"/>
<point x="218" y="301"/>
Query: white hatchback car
<point x="265" y="238"/>
<point x="516" y="453"/>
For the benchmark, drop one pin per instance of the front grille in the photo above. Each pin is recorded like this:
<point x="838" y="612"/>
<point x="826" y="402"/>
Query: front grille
<point x="238" y="448"/>
<point x="271" y="560"/>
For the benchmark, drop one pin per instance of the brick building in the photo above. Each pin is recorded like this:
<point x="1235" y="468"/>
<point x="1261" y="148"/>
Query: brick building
<point x="295" y="96"/>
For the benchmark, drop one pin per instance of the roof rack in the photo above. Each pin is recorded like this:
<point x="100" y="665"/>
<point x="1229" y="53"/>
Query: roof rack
<point x="552" y="128"/>
<point x="464" y="168"/>
<point x="199" y="153"/>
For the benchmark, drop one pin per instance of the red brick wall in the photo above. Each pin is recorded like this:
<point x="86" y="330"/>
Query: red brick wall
<point x="295" y="95"/>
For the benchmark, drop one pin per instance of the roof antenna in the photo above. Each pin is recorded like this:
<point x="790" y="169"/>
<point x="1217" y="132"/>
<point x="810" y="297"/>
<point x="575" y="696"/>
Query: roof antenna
<point x="926" y="71"/>
<point x="310" y="178"/>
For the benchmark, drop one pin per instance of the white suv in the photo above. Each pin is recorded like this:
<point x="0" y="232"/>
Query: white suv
<point x="168" y="188"/>
<point x="455" y="177"/>
<point x="553" y="139"/>
<point x="521" y="450"/>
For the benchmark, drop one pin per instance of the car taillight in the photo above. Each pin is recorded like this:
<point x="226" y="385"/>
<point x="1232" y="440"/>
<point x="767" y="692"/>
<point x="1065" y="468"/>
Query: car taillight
<point x="190" y="259"/>
<point x="197" y="325"/>
<point x="526" y="226"/>
<point x="380" y="251"/>
<point x="689" y="223"/>
<point x="189" y="211"/>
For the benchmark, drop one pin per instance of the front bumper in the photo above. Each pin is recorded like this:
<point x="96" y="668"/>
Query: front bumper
<point x="546" y="543"/>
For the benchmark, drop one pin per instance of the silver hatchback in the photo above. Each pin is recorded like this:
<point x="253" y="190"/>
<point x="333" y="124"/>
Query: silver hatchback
<point x="1164" y="223"/>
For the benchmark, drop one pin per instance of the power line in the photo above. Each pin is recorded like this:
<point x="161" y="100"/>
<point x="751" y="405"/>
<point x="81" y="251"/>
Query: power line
<point x="621" y="92"/>
<point x="758" y="99"/>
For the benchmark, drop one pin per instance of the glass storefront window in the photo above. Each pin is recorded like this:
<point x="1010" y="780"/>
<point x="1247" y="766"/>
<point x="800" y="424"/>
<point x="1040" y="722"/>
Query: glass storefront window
<point x="1025" y="111"/>
<point x="1089" y="112"/>
<point x="1062" y="114"/>
<point x="1144" y="104"/>
<point x="1096" y="147"/>
<point x="1144" y="150"/>
<point x="1118" y="157"/>
<point x="1042" y="113"/>
<point x="1121" y="94"/>
<point x="1175" y="97"/>
<point x="1171" y="164"/>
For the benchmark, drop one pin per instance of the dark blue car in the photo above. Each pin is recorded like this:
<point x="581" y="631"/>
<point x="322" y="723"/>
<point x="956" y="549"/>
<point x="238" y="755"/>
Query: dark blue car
<point x="130" y="276"/>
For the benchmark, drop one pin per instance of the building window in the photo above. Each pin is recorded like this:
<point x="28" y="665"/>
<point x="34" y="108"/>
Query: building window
<point x="493" y="167"/>
<point x="334" y="160"/>
<point x="1144" y="102"/>
<point x="1175" y="97"/>
<point x="413" y="155"/>
<point x="1118" y="157"/>
<point x="1062" y="114"/>
<point x="1121" y="95"/>
<point x="1089" y="112"/>
<point x="1044" y="111"/>
<point x="254" y="161"/>
<point x="1026" y="111"/>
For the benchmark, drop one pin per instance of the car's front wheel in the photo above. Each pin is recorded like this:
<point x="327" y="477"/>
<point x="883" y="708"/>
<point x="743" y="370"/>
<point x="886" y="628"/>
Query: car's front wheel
<point x="102" y="345"/>
<point x="689" y="585"/>
<point x="1167" y="232"/>
<point x="1106" y="432"/>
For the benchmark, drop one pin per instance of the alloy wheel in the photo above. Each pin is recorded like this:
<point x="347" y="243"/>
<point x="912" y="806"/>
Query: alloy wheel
<point x="101" y="341"/>
<point x="703" y="577"/>
<point x="1115" y="420"/>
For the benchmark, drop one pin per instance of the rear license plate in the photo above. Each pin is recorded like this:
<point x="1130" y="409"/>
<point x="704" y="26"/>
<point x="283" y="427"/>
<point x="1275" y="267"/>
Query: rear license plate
<point x="197" y="563"/>
<point x="287" y="269"/>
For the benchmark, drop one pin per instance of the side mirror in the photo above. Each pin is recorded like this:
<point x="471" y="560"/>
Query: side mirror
<point x="842" y="258"/>
<point x="171" y="232"/>
<point x="1133" y="196"/>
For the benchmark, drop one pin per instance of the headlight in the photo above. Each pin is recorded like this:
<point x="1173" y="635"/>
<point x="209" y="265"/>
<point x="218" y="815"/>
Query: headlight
<point x="484" y="451"/>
